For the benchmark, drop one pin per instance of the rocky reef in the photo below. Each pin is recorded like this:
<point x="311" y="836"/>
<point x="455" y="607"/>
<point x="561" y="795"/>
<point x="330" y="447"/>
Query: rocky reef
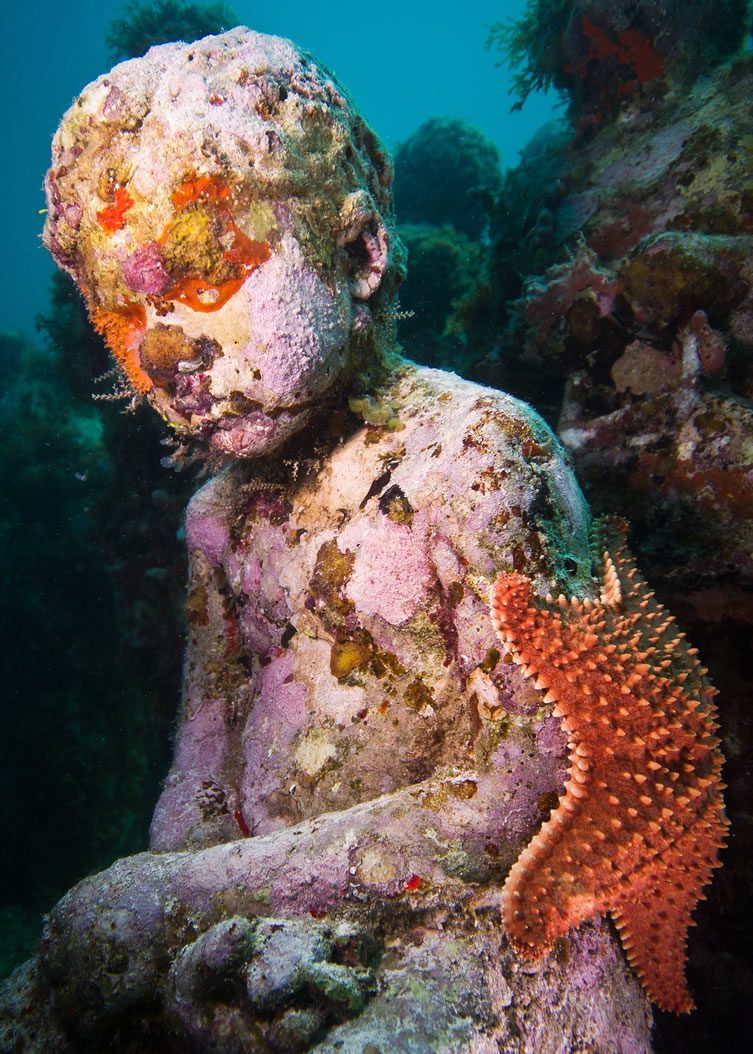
<point x="642" y="334"/>
<point x="615" y="298"/>
<point x="358" y="762"/>
<point x="632" y="337"/>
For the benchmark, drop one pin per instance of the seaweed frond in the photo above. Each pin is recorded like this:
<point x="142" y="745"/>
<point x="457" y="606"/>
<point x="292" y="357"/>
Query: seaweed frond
<point x="163" y="21"/>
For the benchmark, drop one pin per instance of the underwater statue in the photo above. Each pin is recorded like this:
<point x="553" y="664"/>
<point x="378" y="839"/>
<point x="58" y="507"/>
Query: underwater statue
<point x="360" y="755"/>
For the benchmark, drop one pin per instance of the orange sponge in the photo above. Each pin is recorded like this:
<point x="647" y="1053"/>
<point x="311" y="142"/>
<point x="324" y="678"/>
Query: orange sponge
<point x="123" y="329"/>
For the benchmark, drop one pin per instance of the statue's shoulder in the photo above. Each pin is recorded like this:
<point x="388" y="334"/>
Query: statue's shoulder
<point x="472" y="416"/>
<point x="490" y="472"/>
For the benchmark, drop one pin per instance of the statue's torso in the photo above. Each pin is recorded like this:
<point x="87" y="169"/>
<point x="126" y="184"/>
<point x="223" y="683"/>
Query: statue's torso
<point x="356" y="652"/>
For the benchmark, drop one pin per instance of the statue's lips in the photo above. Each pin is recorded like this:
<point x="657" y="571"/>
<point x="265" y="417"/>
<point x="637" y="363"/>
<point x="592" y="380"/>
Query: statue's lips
<point x="255" y="430"/>
<point x="257" y="433"/>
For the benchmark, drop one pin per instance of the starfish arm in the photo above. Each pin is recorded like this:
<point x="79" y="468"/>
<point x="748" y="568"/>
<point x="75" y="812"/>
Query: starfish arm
<point x="641" y="818"/>
<point x="562" y="878"/>
<point x="653" y="918"/>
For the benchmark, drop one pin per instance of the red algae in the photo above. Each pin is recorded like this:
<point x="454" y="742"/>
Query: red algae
<point x="112" y="217"/>
<point x="631" y="48"/>
<point x="197" y="291"/>
<point x="200" y="295"/>
<point x="200" y="188"/>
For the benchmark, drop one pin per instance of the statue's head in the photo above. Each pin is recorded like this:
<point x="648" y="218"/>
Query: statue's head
<point x="227" y="215"/>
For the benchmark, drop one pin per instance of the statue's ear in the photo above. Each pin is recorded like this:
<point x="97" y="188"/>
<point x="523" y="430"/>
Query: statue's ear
<point x="365" y="243"/>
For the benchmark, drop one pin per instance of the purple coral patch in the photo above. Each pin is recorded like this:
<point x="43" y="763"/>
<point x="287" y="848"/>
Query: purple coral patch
<point x="144" y="272"/>
<point x="192" y="395"/>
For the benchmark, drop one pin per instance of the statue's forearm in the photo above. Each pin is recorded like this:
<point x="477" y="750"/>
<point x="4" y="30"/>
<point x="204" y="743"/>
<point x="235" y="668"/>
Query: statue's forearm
<point x="427" y="841"/>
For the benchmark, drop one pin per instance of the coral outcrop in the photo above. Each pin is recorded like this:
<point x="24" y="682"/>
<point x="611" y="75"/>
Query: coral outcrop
<point x="447" y="172"/>
<point x="447" y="178"/>
<point x="162" y="21"/>
<point x="641" y="334"/>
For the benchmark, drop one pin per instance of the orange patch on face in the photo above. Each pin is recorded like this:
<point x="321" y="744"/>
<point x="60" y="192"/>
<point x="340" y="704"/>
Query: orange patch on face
<point x="112" y="217"/>
<point x="200" y="188"/>
<point x="123" y="329"/>
<point x="201" y="295"/>
<point x="245" y="251"/>
<point x="199" y="292"/>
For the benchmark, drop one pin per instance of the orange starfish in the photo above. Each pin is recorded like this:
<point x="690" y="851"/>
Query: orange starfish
<point x="638" y="829"/>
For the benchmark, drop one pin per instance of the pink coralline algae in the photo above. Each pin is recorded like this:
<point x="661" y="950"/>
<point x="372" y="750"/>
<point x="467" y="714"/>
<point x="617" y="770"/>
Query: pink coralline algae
<point x="144" y="271"/>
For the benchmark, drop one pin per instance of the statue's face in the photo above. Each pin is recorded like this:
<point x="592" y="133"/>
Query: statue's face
<point x="216" y="224"/>
<point x="219" y="317"/>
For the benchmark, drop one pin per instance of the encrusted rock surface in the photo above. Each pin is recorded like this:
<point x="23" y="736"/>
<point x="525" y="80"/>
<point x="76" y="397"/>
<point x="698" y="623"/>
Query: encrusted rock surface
<point x="638" y="345"/>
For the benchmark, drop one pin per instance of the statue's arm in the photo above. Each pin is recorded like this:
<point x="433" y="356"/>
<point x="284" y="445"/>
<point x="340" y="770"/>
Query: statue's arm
<point x="379" y="920"/>
<point x="199" y="804"/>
